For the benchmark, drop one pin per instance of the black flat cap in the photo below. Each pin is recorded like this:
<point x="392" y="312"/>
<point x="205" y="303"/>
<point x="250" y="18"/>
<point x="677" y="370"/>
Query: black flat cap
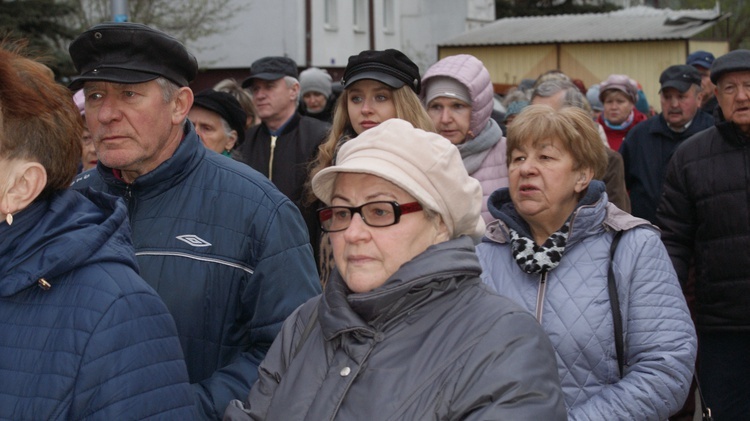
<point x="733" y="61"/>
<point x="130" y="53"/>
<point x="226" y="106"/>
<point x="271" y="68"/>
<point x="680" y="77"/>
<point x="391" y="67"/>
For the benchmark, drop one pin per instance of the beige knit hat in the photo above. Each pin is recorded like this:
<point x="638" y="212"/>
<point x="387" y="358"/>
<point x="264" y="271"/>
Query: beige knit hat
<point x="424" y="164"/>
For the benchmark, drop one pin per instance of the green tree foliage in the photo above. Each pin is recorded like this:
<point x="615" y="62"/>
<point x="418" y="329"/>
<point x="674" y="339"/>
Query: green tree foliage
<point x="186" y="20"/>
<point x="48" y="26"/>
<point x="518" y="8"/>
<point x="41" y="25"/>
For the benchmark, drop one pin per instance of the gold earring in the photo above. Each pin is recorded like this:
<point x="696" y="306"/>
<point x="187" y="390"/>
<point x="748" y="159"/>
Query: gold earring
<point x="9" y="218"/>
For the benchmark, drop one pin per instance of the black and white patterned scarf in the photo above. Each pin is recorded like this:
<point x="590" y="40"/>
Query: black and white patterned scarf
<point x="539" y="259"/>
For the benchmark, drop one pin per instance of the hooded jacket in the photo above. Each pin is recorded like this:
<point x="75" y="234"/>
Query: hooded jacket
<point x="484" y="153"/>
<point x="572" y="304"/>
<point x="432" y="343"/>
<point x="82" y="336"/>
<point x="227" y="252"/>
<point x="705" y="215"/>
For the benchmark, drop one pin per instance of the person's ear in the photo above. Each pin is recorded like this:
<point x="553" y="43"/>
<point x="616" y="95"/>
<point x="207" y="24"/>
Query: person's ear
<point x="182" y="102"/>
<point x="231" y="141"/>
<point x="294" y="91"/>
<point x="26" y="182"/>
<point x="442" y="234"/>
<point x="585" y="175"/>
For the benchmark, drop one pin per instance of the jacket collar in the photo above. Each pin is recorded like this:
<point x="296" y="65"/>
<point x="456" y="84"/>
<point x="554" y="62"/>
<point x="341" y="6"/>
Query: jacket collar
<point x="54" y="236"/>
<point x="697" y="124"/>
<point x="190" y="152"/>
<point x="287" y="127"/>
<point x="430" y="275"/>
<point x="588" y="215"/>
<point x="729" y="131"/>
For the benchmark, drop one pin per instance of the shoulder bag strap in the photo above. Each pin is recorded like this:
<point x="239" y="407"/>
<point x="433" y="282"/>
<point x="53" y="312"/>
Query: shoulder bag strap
<point x="614" y="301"/>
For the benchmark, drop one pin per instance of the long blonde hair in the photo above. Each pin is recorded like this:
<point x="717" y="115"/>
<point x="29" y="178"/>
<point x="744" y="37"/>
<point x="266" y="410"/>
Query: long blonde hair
<point x="408" y="107"/>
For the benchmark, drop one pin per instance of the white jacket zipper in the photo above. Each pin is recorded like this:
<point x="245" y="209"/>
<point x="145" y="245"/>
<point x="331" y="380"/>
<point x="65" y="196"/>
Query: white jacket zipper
<point x="540" y="297"/>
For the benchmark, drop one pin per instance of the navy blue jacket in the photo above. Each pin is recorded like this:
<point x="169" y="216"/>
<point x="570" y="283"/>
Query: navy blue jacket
<point x="97" y="343"/>
<point x="646" y="151"/>
<point x="228" y="253"/>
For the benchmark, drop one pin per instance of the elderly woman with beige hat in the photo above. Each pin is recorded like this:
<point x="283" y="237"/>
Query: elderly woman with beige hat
<point x="405" y="329"/>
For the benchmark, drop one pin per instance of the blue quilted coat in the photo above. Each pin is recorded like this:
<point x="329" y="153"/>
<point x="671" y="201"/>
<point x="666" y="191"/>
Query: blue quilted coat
<point x="96" y="343"/>
<point x="574" y="309"/>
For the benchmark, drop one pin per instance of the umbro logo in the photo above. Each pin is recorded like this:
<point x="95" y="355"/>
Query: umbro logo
<point x="193" y="240"/>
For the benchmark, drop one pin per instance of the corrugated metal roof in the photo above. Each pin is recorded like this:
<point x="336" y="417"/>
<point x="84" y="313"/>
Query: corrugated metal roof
<point x="633" y="24"/>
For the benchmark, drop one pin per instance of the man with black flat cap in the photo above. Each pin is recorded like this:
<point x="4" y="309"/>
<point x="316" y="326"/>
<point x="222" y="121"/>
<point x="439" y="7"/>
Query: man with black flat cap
<point x="225" y="250"/>
<point x="283" y="144"/>
<point x="705" y="219"/>
<point x="648" y="147"/>
<point x="219" y="121"/>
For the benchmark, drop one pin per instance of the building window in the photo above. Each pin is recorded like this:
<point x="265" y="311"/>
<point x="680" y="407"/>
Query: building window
<point x="331" y="15"/>
<point x="389" y="16"/>
<point x="360" y="15"/>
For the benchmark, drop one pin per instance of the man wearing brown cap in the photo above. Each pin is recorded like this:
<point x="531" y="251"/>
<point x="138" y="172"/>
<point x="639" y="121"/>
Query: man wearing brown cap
<point x="649" y="146"/>
<point x="285" y="142"/>
<point x="226" y="251"/>
<point x="704" y="214"/>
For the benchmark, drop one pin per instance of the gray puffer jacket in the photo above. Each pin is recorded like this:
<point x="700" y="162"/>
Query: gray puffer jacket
<point x="432" y="343"/>
<point x="572" y="304"/>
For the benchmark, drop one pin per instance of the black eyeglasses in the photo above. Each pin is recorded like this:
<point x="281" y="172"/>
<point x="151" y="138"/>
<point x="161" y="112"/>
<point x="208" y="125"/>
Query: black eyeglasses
<point x="374" y="214"/>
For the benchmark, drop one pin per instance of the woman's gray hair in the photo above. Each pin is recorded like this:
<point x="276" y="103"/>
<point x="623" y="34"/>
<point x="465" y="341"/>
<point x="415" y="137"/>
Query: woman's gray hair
<point x="572" y="98"/>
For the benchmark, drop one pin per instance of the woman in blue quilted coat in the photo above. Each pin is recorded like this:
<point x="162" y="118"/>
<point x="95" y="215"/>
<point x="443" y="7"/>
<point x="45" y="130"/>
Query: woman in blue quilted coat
<point x="82" y="336"/>
<point x="549" y="250"/>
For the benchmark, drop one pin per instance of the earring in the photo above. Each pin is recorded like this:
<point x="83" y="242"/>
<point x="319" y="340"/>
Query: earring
<point x="9" y="218"/>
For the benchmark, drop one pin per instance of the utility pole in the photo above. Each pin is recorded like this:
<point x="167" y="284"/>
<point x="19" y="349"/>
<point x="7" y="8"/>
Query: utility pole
<point x="120" y="10"/>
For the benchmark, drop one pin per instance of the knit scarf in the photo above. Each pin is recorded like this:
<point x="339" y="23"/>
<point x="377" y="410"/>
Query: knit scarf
<point x="532" y="258"/>
<point x="474" y="151"/>
<point x="622" y="126"/>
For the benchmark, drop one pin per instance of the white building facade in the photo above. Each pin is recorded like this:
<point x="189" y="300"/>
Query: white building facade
<point x="324" y="33"/>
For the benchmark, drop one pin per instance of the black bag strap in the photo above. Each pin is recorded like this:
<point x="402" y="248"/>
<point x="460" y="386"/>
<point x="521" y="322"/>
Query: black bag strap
<point x="705" y="410"/>
<point x="308" y="328"/>
<point x="614" y="302"/>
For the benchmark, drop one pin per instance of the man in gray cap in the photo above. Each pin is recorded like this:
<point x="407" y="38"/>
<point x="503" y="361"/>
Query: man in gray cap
<point x="285" y="142"/>
<point x="704" y="214"/>
<point x="648" y="147"/>
<point x="226" y="251"/>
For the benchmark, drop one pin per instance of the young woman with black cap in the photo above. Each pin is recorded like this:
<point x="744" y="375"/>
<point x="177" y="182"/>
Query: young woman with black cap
<point x="378" y="85"/>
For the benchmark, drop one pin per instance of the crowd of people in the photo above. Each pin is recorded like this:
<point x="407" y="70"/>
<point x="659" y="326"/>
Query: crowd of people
<point x="280" y="249"/>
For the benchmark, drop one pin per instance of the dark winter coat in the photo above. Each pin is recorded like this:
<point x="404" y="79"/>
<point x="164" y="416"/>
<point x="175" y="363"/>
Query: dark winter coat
<point x="646" y="151"/>
<point x="705" y="217"/>
<point x="82" y="336"/>
<point x="228" y="254"/>
<point x="432" y="343"/>
<point x="294" y="149"/>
